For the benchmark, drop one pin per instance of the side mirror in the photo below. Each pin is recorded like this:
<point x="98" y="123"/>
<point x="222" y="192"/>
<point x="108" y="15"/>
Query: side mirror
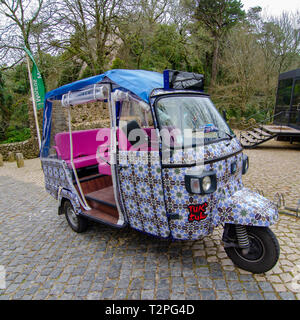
<point x="224" y="115"/>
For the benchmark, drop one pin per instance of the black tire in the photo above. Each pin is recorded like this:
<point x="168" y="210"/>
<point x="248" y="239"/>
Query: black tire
<point x="77" y="223"/>
<point x="263" y="254"/>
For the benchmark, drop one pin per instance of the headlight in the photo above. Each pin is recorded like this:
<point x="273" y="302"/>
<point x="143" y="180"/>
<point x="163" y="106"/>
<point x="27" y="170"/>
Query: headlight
<point x="206" y="183"/>
<point x="195" y="185"/>
<point x="245" y="164"/>
<point x="201" y="183"/>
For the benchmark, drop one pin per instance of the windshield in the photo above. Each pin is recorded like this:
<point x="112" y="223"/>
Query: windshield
<point x="192" y="114"/>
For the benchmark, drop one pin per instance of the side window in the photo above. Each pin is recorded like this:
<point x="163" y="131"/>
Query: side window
<point x="132" y="110"/>
<point x="296" y="96"/>
<point x="284" y="93"/>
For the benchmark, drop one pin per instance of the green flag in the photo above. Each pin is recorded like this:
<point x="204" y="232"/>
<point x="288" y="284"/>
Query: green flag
<point x="37" y="82"/>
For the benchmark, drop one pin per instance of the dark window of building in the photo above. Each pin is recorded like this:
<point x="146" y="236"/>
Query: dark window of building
<point x="284" y="93"/>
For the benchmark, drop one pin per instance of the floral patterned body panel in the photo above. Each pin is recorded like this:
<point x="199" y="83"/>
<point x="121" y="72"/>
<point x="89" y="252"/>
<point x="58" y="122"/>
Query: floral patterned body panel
<point x="157" y="202"/>
<point x="58" y="181"/>
<point x="142" y="192"/>
<point x="230" y="203"/>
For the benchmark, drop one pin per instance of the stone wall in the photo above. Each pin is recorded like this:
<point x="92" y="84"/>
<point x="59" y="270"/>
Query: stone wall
<point x="28" y="148"/>
<point x="88" y="116"/>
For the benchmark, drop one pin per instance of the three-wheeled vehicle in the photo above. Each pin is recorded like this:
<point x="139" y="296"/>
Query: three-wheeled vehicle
<point x="168" y="166"/>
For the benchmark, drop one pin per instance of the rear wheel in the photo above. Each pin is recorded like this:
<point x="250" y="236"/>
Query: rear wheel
<point x="263" y="253"/>
<point x="76" y="222"/>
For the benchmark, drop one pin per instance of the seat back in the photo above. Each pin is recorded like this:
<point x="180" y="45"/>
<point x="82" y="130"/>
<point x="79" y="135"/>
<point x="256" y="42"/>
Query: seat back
<point x="84" y="143"/>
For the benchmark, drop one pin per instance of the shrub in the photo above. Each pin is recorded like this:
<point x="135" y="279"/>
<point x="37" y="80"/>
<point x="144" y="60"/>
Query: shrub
<point x="16" y="135"/>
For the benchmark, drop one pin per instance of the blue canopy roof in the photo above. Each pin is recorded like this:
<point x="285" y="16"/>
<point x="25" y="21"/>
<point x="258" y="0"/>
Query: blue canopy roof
<point x="140" y="82"/>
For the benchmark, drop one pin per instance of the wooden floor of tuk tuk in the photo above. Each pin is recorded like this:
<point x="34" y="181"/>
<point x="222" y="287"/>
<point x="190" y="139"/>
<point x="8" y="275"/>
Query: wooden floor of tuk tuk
<point x="103" y="205"/>
<point x="104" y="195"/>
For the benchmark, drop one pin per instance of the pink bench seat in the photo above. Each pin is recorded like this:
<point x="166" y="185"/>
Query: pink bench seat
<point x="85" y="145"/>
<point x="88" y="143"/>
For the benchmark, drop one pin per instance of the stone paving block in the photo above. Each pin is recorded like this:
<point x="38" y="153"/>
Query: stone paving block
<point x="270" y="296"/>
<point x="134" y="295"/>
<point x="149" y="284"/>
<point x="208" y="295"/>
<point x="265" y="286"/>
<point x="110" y="283"/>
<point x="202" y="271"/>
<point x="287" y="295"/>
<point x="223" y="295"/>
<point x="205" y="283"/>
<point x="192" y="293"/>
<point x="136" y="284"/>
<point x="163" y="294"/>
<point x="41" y="294"/>
<point x="250" y="286"/>
<point x="177" y="296"/>
<point x="220" y="284"/>
<point x="234" y="286"/>
<point x="93" y="296"/>
<point x="231" y="275"/>
<point x="70" y="289"/>
<point x="239" y="295"/>
<point x="45" y="259"/>
<point x="254" y="296"/>
<point x="147" y="295"/>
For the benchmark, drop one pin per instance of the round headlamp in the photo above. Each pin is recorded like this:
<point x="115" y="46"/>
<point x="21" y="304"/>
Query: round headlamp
<point x="206" y="183"/>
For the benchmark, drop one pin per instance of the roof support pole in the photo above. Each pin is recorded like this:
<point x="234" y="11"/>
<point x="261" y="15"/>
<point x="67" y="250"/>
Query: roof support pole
<point x="113" y="154"/>
<point x="82" y="199"/>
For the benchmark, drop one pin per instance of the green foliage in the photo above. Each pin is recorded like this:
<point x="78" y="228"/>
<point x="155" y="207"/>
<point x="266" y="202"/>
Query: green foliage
<point x="219" y="16"/>
<point x="19" y="78"/>
<point x="68" y="72"/>
<point x="14" y="134"/>
<point x="118" y="64"/>
<point x="241" y="55"/>
<point x="6" y="107"/>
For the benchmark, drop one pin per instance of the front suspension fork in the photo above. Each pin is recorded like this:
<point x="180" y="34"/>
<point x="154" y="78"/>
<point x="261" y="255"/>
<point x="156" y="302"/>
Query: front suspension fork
<point x="236" y="236"/>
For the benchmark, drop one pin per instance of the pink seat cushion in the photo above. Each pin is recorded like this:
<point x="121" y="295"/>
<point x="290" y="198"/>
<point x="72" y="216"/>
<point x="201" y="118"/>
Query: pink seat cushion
<point x="104" y="168"/>
<point x="84" y="161"/>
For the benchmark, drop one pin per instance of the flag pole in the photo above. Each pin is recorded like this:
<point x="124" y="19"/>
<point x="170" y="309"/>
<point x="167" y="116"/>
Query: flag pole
<point x="33" y="102"/>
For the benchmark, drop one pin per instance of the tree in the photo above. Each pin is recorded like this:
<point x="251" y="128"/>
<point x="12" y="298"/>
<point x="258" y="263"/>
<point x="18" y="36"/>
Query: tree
<point x="17" y="21"/>
<point x="6" y="102"/>
<point x="137" y="28"/>
<point x="218" y="17"/>
<point x="242" y="80"/>
<point x="280" y="39"/>
<point x="85" y="29"/>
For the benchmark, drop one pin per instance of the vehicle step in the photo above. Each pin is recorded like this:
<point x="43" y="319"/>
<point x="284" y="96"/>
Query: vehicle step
<point x="103" y="200"/>
<point x="100" y="216"/>
<point x="100" y="205"/>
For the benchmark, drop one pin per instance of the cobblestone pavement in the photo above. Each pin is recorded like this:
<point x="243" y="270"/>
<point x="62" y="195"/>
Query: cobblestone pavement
<point x="45" y="259"/>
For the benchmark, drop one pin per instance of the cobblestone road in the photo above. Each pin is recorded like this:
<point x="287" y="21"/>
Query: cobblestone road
<point x="45" y="259"/>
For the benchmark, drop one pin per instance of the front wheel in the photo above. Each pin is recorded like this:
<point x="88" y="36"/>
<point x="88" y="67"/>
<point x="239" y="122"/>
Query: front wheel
<point x="263" y="253"/>
<point x="77" y="223"/>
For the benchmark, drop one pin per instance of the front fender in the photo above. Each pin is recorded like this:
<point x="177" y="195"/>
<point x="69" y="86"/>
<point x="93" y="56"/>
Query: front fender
<point x="67" y="194"/>
<point x="247" y="207"/>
